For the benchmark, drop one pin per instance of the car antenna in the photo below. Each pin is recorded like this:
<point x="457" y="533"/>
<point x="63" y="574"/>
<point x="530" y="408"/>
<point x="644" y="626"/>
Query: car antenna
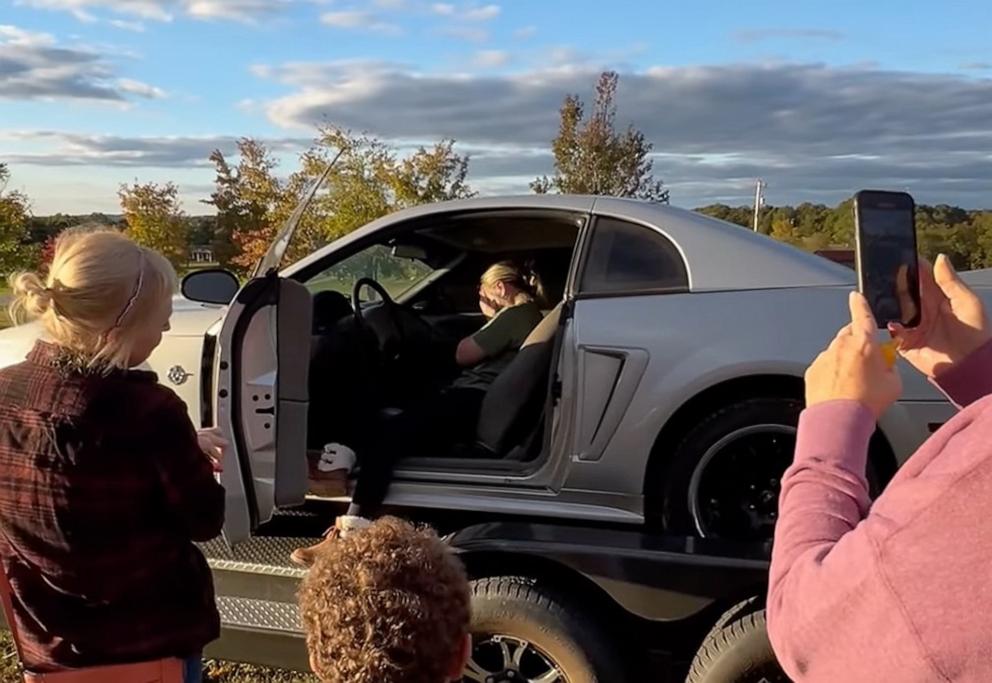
<point x="273" y="257"/>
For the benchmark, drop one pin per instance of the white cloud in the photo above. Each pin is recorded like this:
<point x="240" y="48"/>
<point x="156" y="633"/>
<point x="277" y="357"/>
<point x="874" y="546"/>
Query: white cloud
<point x="12" y="35"/>
<point x="484" y="13"/>
<point x="84" y="16"/>
<point x="491" y="58"/>
<point x="813" y="131"/>
<point x="247" y="11"/>
<point x="135" y="26"/>
<point x="59" y="148"/>
<point x="134" y="87"/>
<point x="759" y="35"/>
<point x="165" y="10"/>
<point x="360" y="20"/>
<point x="443" y="8"/>
<point x="525" y="32"/>
<point x="472" y="34"/>
<point x="159" y="10"/>
<point x="36" y="66"/>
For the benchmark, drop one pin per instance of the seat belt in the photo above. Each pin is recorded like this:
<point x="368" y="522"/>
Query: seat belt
<point x="168" y="670"/>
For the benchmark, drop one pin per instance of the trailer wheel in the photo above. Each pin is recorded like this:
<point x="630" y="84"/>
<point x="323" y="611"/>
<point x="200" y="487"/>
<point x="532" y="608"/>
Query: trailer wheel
<point x="737" y="649"/>
<point x="523" y="631"/>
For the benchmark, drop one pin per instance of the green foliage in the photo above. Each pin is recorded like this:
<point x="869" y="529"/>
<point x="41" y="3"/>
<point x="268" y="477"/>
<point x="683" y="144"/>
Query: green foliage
<point x="591" y="157"/>
<point x="15" y="211"/>
<point x="155" y="220"/>
<point x="964" y="236"/>
<point x="368" y="181"/>
<point x="250" y="202"/>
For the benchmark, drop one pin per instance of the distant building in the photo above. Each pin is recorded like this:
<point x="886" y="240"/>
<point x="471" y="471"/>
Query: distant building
<point x="201" y="255"/>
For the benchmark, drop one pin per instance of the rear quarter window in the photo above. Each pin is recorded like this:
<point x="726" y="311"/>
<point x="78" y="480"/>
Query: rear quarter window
<point x="625" y="257"/>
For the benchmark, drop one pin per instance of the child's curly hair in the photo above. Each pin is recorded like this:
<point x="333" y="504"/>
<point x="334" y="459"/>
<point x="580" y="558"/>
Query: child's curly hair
<point x="388" y="603"/>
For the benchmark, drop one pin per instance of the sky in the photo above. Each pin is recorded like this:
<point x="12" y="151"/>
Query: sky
<point x="818" y="99"/>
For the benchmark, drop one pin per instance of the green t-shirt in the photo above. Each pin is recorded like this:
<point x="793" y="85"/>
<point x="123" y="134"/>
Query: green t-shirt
<point x="500" y="339"/>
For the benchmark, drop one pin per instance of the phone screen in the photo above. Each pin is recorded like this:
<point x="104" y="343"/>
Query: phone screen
<point x="888" y="266"/>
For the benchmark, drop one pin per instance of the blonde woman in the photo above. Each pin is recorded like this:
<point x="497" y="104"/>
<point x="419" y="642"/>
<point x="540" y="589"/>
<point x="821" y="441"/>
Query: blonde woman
<point x="104" y="482"/>
<point x="510" y="298"/>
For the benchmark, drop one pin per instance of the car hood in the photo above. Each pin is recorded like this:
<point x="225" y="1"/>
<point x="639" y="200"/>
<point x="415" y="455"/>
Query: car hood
<point x="189" y="319"/>
<point x="978" y="278"/>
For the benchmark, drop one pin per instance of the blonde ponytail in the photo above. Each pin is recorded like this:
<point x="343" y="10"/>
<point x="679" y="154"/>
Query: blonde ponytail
<point x="523" y="278"/>
<point x="31" y="298"/>
<point x="99" y="288"/>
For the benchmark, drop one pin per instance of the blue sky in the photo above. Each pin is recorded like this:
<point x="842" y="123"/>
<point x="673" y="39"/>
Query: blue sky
<point x="820" y="99"/>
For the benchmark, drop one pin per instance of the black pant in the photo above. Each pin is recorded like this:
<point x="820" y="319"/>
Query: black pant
<point x="429" y="428"/>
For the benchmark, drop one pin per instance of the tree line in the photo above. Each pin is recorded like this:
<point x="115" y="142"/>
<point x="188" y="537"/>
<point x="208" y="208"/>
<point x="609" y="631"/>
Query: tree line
<point x="965" y="236"/>
<point x="370" y="179"/>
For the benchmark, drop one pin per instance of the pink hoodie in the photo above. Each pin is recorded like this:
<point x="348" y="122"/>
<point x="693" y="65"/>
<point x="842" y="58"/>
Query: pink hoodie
<point x="900" y="589"/>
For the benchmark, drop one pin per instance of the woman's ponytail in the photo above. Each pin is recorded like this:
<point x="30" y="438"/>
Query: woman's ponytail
<point x="31" y="298"/>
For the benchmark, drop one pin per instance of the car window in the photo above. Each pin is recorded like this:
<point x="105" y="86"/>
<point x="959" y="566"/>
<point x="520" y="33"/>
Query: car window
<point x="396" y="274"/>
<point x="625" y="257"/>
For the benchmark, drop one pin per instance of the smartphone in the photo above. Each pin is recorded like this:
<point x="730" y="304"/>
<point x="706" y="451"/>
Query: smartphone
<point x="887" y="261"/>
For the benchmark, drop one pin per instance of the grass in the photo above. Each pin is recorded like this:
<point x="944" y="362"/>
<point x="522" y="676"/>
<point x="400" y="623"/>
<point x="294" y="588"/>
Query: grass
<point x="214" y="671"/>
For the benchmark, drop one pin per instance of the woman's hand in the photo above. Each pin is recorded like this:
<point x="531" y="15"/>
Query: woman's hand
<point x="853" y="367"/>
<point x="213" y="445"/>
<point x="953" y="321"/>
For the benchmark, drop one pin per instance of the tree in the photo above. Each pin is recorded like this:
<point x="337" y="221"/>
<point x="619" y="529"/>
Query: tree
<point x="15" y="209"/>
<point x="154" y="219"/>
<point x="783" y="229"/>
<point x="249" y="200"/>
<point x="591" y="157"/>
<point x="367" y="181"/>
<point x="430" y="175"/>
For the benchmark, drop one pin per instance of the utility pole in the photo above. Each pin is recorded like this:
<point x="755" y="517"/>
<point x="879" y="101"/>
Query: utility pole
<point x="759" y="200"/>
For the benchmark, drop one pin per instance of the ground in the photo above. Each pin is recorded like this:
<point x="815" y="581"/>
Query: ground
<point x="216" y="672"/>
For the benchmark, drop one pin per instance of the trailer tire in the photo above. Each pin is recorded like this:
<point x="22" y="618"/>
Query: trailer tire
<point x="737" y="649"/>
<point x="518" y="609"/>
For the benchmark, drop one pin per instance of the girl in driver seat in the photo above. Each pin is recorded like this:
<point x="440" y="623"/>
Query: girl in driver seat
<point x="510" y="297"/>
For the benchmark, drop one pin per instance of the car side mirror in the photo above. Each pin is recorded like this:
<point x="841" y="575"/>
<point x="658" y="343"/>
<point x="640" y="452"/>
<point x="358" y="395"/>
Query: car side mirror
<point x="210" y="286"/>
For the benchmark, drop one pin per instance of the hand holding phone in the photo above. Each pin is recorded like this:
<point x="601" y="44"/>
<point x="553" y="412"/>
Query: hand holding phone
<point x="953" y="325"/>
<point x="887" y="262"/>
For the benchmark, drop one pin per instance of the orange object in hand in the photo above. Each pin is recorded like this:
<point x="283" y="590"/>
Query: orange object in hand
<point x="890" y="352"/>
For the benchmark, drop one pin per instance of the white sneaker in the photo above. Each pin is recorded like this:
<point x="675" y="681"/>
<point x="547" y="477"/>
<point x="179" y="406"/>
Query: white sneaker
<point x="336" y="456"/>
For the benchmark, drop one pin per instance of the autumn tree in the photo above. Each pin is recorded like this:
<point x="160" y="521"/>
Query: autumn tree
<point x="592" y="157"/>
<point x="154" y="219"/>
<point x="368" y="180"/>
<point x="15" y="210"/>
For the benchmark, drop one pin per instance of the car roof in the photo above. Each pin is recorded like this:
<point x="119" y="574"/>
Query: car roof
<point x="719" y="255"/>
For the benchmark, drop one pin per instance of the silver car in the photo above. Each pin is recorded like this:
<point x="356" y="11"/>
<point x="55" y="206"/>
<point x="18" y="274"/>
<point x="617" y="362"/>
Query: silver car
<point x="662" y="389"/>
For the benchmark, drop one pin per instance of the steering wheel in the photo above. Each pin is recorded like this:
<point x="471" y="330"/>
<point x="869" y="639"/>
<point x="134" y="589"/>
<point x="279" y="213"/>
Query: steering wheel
<point x="391" y="341"/>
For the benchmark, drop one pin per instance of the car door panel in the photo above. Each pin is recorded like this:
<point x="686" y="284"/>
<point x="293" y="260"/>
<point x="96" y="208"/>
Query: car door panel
<point x="264" y="354"/>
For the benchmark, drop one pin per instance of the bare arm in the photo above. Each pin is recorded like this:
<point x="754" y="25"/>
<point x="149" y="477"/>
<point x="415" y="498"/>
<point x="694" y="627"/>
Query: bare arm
<point x="469" y="353"/>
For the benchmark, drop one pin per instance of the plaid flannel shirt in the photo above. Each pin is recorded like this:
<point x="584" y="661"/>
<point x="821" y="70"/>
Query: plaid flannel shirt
<point x="103" y="490"/>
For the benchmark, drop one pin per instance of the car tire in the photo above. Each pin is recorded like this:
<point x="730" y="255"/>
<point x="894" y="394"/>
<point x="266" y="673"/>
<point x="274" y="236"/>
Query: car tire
<point x="556" y="629"/>
<point x="695" y="452"/>
<point x="737" y="650"/>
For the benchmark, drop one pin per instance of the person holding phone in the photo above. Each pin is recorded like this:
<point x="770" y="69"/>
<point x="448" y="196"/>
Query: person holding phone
<point x="898" y="589"/>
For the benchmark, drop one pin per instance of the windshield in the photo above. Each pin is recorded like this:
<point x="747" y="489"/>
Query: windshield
<point x="396" y="274"/>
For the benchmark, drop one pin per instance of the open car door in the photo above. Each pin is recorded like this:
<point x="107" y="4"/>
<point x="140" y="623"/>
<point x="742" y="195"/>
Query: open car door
<point x="262" y="366"/>
<point x="262" y="401"/>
